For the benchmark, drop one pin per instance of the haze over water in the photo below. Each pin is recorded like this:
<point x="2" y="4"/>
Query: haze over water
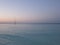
<point x="29" y="22"/>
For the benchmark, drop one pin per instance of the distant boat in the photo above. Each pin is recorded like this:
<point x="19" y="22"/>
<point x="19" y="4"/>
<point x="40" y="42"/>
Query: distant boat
<point x="14" y="20"/>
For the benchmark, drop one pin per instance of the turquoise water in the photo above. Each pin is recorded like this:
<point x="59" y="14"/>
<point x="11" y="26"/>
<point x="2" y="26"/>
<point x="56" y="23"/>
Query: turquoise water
<point x="30" y="34"/>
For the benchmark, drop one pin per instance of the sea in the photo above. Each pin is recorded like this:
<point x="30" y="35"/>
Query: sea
<point x="29" y="34"/>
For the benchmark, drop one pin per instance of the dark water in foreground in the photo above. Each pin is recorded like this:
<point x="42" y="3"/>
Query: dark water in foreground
<point x="30" y="34"/>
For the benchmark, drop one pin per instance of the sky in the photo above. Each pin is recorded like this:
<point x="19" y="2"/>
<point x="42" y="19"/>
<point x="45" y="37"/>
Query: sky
<point x="30" y="11"/>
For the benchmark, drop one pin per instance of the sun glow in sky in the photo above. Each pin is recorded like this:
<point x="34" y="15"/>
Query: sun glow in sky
<point x="30" y="10"/>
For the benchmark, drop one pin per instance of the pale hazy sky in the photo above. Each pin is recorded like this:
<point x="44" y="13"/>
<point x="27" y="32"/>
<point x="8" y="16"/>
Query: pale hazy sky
<point x="30" y="10"/>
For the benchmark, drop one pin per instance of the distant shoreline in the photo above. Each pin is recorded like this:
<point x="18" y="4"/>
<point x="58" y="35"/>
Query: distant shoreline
<point x="30" y="23"/>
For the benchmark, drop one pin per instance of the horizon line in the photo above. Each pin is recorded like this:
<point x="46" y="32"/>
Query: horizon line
<point x="30" y="23"/>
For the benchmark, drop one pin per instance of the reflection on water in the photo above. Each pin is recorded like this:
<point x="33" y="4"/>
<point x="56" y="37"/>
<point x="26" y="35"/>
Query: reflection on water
<point x="30" y="34"/>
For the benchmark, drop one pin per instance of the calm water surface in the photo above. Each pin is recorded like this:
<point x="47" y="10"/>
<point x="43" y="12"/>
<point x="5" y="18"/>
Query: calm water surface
<point x="30" y="34"/>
